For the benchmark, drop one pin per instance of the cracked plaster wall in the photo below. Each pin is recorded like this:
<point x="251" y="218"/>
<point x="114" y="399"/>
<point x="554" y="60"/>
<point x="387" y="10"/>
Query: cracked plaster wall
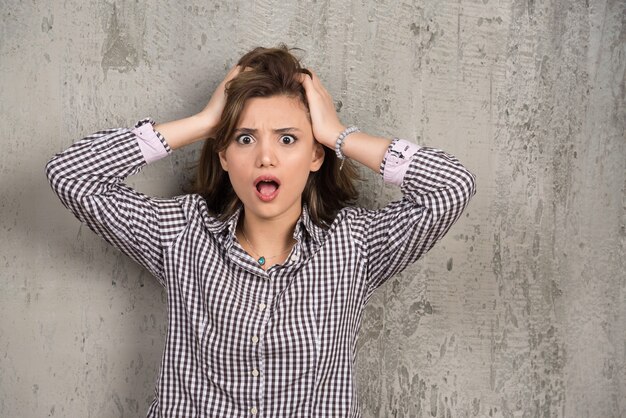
<point x="519" y="312"/>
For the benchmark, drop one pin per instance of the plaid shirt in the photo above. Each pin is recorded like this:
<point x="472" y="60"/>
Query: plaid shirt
<point x="241" y="341"/>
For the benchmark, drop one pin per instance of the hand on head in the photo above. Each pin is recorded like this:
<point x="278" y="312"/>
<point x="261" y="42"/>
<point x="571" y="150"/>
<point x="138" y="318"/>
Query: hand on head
<point x="324" y="119"/>
<point x="213" y="110"/>
<point x="326" y="123"/>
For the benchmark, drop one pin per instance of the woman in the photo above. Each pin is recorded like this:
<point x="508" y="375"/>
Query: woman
<point x="267" y="268"/>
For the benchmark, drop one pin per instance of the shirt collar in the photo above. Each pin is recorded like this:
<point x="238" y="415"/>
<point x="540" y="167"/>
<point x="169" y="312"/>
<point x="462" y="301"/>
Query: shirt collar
<point x="217" y="227"/>
<point x="305" y="224"/>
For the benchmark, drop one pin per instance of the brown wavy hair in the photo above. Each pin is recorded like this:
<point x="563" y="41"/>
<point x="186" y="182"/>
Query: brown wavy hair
<point x="270" y="72"/>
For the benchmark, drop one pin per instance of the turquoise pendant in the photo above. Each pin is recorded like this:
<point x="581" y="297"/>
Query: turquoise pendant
<point x="261" y="260"/>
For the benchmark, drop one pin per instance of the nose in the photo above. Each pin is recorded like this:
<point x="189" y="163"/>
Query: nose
<point x="266" y="155"/>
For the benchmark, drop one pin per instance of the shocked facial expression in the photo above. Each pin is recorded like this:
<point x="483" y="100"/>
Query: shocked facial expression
<point x="270" y="157"/>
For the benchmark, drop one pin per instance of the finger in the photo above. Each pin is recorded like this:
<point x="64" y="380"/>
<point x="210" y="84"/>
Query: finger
<point x="306" y="71"/>
<point x="234" y="72"/>
<point x="315" y="79"/>
<point x="312" y="83"/>
<point x="304" y="77"/>
<point x="317" y="85"/>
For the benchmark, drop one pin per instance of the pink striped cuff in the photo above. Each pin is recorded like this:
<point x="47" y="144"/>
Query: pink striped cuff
<point x="397" y="160"/>
<point x="151" y="146"/>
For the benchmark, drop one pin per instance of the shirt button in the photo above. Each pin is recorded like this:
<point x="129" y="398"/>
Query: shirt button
<point x="255" y="339"/>
<point x="262" y="306"/>
<point x="253" y="410"/>
<point x="255" y="372"/>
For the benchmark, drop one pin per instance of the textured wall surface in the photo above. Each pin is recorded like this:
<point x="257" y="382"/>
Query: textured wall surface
<point x="519" y="312"/>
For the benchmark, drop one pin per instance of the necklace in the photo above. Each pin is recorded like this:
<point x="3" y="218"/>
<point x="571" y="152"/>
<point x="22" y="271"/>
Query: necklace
<point x="262" y="259"/>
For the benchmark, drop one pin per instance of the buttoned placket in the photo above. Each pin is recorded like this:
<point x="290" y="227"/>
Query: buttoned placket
<point x="263" y="307"/>
<point x="256" y="370"/>
<point x="274" y="280"/>
<point x="257" y="373"/>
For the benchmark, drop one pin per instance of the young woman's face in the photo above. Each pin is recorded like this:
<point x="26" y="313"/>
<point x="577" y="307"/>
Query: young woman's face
<point x="270" y="157"/>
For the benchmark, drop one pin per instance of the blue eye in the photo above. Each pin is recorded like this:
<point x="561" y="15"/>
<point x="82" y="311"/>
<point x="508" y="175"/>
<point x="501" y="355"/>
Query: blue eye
<point x="244" y="139"/>
<point x="287" y="139"/>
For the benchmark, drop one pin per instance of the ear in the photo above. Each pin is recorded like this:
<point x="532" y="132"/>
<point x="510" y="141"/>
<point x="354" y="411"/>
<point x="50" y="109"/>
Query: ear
<point x="317" y="157"/>
<point x="223" y="162"/>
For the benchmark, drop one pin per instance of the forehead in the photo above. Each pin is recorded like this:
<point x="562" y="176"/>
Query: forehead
<point x="273" y="112"/>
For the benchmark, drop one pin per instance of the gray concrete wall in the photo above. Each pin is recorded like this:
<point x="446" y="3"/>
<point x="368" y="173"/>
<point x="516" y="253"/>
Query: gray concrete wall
<point x="519" y="312"/>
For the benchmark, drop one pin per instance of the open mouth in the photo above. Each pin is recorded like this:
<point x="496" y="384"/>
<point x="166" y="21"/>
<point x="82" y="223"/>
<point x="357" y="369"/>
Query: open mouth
<point x="267" y="187"/>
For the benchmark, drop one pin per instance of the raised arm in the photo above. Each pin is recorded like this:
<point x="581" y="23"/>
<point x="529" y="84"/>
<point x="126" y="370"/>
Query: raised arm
<point x="88" y="178"/>
<point x="367" y="149"/>
<point x="182" y="132"/>
<point x="436" y="189"/>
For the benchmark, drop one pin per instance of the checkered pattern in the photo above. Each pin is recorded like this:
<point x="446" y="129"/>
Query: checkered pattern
<point x="243" y="342"/>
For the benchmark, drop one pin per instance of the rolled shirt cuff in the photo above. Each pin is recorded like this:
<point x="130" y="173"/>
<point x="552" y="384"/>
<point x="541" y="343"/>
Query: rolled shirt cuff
<point x="397" y="160"/>
<point x="152" y="144"/>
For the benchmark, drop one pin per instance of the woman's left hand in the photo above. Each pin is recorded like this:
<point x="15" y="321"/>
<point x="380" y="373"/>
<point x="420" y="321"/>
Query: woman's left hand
<point x="326" y="123"/>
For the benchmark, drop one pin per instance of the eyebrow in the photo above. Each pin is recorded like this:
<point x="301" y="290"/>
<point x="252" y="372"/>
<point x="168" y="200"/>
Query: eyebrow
<point x="277" y="131"/>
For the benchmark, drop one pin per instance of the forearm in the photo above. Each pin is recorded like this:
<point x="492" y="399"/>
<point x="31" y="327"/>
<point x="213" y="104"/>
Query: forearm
<point x="436" y="189"/>
<point x="367" y="149"/>
<point x="437" y="181"/>
<point x="181" y="132"/>
<point x="94" y="165"/>
<point x="88" y="179"/>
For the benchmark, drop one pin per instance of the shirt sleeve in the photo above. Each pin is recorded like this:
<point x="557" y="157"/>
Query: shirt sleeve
<point x="88" y="179"/>
<point x="436" y="189"/>
<point x="152" y="144"/>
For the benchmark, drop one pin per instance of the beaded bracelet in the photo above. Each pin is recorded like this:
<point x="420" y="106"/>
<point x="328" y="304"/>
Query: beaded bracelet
<point x="342" y="136"/>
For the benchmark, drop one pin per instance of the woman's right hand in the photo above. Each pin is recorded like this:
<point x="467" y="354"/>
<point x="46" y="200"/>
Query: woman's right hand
<point x="182" y="132"/>
<point x="213" y="110"/>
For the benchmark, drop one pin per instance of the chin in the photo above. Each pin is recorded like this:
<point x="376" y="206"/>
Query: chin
<point x="271" y="210"/>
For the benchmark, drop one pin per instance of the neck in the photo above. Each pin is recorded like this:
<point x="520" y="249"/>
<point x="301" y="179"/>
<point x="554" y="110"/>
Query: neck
<point x="267" y="237"/>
